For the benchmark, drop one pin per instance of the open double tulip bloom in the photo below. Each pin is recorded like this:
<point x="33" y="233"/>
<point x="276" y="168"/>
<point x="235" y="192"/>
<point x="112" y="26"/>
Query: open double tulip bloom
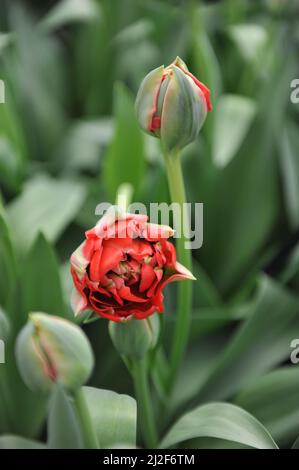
<point x="172" y="104"/>
<point x="121" y="268"/>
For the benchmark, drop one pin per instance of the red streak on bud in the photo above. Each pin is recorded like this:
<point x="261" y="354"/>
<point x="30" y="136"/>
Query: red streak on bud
<point x="51" y="372"/>
<point x="203" y="88"/>
<point x="155" y="123"/>
<point x="47" y="364"/>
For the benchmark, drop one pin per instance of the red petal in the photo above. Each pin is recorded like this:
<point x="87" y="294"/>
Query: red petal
<point x="111" y="256"/>
<point x="94" y="267"/>
<point x="147" y="277"/>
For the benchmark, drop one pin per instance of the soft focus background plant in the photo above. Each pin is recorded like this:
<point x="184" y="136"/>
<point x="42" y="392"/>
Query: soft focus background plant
<point x="69" y="138"/>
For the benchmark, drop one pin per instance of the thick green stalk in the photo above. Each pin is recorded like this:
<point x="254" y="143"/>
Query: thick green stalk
<point x="182" y="324"/>
<point x="87" y="427"/>
<point x="144" y="404"/>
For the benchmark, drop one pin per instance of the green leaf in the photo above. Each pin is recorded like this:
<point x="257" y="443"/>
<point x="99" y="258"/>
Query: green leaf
<point x="114" y="416"/>
<point x="206" y="65"/>
<point x="21" y="411"/>
<point x="261" y="342"/>
<point x="296" y="444"/>
<point x="8" y="441"/>
<point x="45" y="205"/>
<point x="12" y="144"/>
<point x="4" y="326"/>
<point x="250" y="39"/>
<point x="273" y="399"/>
<point x="291" y="270"/>
<point x="88" y="138"/>
<point x="63" y="426"/>
<point x="69" y="11"/>
<point x="205" y="294"/>
<point x="208" y="319"/>
<point x="201" y="359"/>
<point x="124" y="161"/>
<point x="290" y="172"/>
<point x="244" y="202"/>
<point x="232" y="112"/>
<point x="5" y="40"/>
<point x="40" y="96"/>
<point x="222" y="421"/>
<point x="42" y="290"/>
<point x="205" y="61"/>
<point x="7" y="261"/>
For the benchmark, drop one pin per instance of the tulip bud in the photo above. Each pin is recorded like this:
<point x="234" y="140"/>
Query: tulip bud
<point x="52" y="350"/>
<point x="134" y="338"/>
<point x="172" y="104"/>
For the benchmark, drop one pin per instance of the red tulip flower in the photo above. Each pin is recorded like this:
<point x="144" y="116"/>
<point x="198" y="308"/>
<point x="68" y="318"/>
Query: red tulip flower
<point x="122" y="267"/>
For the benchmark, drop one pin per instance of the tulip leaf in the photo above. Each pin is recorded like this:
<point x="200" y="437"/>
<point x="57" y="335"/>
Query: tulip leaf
<point x="278" y="414"/>
<point x="290" y="173"/>
<point x="124" y="160"/>
<point x="250" y="39"/>
<point x="4" y="327"/>
<point x="69" y="11"/>
<point x="207" y="319"/>
<point x="232" y="112"/>
<point x="8" y="441"/>
<point x="63" y="425"/>
<point x="45" y="205"/>
<point x="87" y="137"/>
<point x="12" y="144"/>
<point x="244" y="202"/>
<point x="114" y="416"/>
<point x="222" y="421"/>
<point x="42" y="290"/>
<point x="7" y="261"/>
<point x="262" y="342"/>
<point x="205" y="294"/>
<point x="296" y="444"/>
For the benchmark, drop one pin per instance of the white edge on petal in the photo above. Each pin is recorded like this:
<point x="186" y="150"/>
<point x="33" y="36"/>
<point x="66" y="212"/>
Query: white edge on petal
<point x="79" y="262"/>
<point x="164" y="230"/>
<point x="184" y="271"/>
<point x="78" y="303"/>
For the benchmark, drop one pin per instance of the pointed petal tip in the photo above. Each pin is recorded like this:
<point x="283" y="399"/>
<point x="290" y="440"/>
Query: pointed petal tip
<point x="184" y="272"/>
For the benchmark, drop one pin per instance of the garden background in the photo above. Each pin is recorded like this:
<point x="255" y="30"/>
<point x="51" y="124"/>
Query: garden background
<point x="68" y="139"/>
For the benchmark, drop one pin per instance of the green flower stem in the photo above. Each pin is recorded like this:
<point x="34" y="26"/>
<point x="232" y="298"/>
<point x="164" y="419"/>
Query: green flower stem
<point x="144" y="404"/>
<point x="159" y="375"/>
<point x="87" y="427"/>
<point x="182" y="324"/>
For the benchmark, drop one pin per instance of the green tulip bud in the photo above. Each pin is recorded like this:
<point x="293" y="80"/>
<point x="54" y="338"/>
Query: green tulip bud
<point x="52" y="350"/>
<point x="134" y="338"/>
<point x="172" y="104"/>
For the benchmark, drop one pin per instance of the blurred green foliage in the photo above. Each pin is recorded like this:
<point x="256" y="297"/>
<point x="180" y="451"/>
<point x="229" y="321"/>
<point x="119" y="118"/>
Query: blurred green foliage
<point x="68" y="139"/>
